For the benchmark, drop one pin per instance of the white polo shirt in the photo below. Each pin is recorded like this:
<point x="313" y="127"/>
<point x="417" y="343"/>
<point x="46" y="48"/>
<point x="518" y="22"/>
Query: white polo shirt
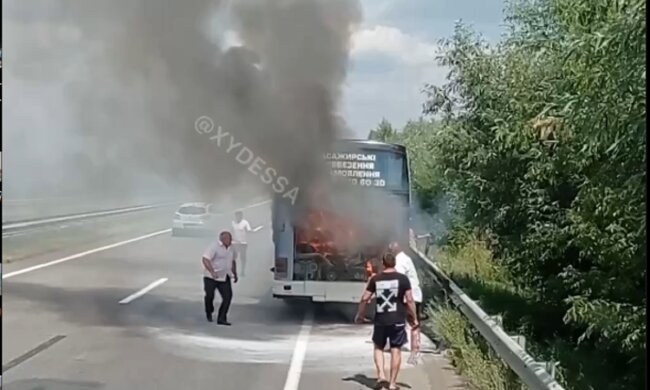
<point x="239" y="230"/>
<point x="221" y="259"/>
<point x="405" y="266"/>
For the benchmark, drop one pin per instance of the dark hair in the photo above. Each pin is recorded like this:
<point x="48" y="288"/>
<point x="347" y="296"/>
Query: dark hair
<point x="388" y="259"/>
<point x="225" y="232"/>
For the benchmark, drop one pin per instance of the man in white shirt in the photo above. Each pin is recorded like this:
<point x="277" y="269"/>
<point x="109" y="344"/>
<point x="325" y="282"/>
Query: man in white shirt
<point x="240" y="227"/>
<point x="404" y="265"/>
<point x="219" y="268"/>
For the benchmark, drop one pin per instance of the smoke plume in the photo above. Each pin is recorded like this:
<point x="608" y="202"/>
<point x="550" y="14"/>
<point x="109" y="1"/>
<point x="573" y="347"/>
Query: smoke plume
<point x="104" y="94"/>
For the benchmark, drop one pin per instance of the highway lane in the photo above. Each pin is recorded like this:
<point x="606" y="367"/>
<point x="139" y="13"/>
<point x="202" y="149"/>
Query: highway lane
<point x="37" y="208"/>
<point x="69" y="315"/>
<point x="34" y="244"/>
<point x="22" y="248"/>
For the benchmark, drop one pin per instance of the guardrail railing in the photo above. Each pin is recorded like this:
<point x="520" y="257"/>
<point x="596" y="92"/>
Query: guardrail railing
<point x="534" y="374"/>
<point x="7" y="226"/>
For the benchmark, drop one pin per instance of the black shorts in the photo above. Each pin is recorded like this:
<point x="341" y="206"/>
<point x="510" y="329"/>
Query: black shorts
<point x="395" y="334"/>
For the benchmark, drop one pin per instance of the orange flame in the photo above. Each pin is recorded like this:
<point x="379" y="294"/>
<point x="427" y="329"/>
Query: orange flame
<point x="327" y="233"/>
<point x="337" y="239"/>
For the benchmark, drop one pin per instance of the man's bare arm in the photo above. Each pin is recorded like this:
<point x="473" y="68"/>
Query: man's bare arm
<point x="208" y="265"/>
<point x="410" y="309"/>
<point x="365" y="300"/>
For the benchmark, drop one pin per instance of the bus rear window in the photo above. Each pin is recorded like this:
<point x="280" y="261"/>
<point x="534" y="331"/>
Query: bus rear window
<point x="371" y="168"/>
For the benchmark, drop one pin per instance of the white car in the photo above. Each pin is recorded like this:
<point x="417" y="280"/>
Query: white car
<point x="193" y="219"/>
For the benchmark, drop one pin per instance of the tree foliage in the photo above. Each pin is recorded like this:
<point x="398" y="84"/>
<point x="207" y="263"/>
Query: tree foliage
<point x="384" y="132"/>
<point x="542" y="145"/>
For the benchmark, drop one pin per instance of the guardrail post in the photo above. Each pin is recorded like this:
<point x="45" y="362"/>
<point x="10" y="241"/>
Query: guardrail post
<point x="498" y="319"/>
<point x="427" y="241"/>
<point x="547" y="366"/>
<point x="519" y="339"/>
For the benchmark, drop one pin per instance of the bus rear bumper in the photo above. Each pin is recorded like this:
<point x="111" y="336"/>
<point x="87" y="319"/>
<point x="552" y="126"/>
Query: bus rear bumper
<point x="319" y="291"/>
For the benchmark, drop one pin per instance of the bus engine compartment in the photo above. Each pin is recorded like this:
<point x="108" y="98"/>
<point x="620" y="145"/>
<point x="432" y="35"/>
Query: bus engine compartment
<point x="330" y="248"/>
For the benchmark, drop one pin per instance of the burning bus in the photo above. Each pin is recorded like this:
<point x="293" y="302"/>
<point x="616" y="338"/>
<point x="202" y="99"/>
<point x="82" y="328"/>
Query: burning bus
<point x="328" y="247"/>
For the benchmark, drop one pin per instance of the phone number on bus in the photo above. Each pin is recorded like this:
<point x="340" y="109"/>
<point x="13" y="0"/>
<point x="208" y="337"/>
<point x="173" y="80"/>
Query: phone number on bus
<point x="367" y="182"/>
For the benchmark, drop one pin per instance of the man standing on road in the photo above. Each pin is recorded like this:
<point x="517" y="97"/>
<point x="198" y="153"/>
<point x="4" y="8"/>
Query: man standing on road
<point x="240" y="227"/>
<point x="404" y="265"/>
<point x="219" y="263"/>
<point x="393" y="307"/>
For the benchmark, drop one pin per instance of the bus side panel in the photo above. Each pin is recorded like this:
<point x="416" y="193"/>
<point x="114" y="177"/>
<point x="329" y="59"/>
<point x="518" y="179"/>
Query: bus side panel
<point x="282" y="239"/>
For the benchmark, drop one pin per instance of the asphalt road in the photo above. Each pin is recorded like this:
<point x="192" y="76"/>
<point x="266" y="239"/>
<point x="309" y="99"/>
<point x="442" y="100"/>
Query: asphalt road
<point x="39" y="208"/>
<point x="64" y="328"/>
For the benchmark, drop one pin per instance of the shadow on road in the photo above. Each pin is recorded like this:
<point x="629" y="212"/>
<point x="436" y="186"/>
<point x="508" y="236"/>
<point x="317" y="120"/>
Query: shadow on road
<point x="265" y="320"/>
<point x="50" y="384"/>
<point x="370" y="383"/>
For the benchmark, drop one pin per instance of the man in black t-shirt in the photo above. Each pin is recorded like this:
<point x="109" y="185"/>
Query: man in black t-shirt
<point x="394" y="305"/>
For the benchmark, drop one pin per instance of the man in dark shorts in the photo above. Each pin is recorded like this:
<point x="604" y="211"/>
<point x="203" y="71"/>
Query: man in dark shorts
<point x="394" y="306"/>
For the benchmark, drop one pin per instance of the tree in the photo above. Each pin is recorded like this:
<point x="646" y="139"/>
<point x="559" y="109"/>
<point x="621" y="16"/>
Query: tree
<point x="544" y="147"/>
<point x="384" y="132"/>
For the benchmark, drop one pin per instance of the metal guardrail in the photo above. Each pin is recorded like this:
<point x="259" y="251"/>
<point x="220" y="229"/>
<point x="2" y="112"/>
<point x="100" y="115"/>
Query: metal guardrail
<point x="510" y="348"/>
<point x="72" y="217"/>
<point x="15" y="225"/>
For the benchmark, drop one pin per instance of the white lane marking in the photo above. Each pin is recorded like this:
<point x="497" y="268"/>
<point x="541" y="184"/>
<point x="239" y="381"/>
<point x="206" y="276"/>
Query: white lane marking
<point x="145" y="290"/>
<point x="249" y="206"/>
<point x="82" y="254"/>
<point x="257" y="229"/>
<point x="111" y="246"/>
<point x="298" y="358"/>
<point x="77" y="216"/>
<point x="34" y="199"/>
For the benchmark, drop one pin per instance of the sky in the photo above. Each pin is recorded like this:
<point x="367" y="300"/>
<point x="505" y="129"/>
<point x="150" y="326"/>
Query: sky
<point x="393" y="55"/>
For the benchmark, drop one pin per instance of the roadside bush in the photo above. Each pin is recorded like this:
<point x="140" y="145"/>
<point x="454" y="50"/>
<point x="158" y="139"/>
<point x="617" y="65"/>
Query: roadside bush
<point x="540" y="146"/>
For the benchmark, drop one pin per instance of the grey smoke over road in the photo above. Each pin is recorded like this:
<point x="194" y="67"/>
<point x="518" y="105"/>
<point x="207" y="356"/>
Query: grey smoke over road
<point x="103" y="94"/>
<point x="102" y="97"/>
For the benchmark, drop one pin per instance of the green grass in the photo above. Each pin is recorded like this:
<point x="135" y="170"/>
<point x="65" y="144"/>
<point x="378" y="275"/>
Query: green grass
<point x="469" y="353"/>
<point x="466" y="349"/>
<point x="474" y="260"/>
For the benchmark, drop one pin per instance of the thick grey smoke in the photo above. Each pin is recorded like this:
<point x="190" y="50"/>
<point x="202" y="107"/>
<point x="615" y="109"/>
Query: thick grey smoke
<point x="105" y="93"/>
<point x="103" y="96"/>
